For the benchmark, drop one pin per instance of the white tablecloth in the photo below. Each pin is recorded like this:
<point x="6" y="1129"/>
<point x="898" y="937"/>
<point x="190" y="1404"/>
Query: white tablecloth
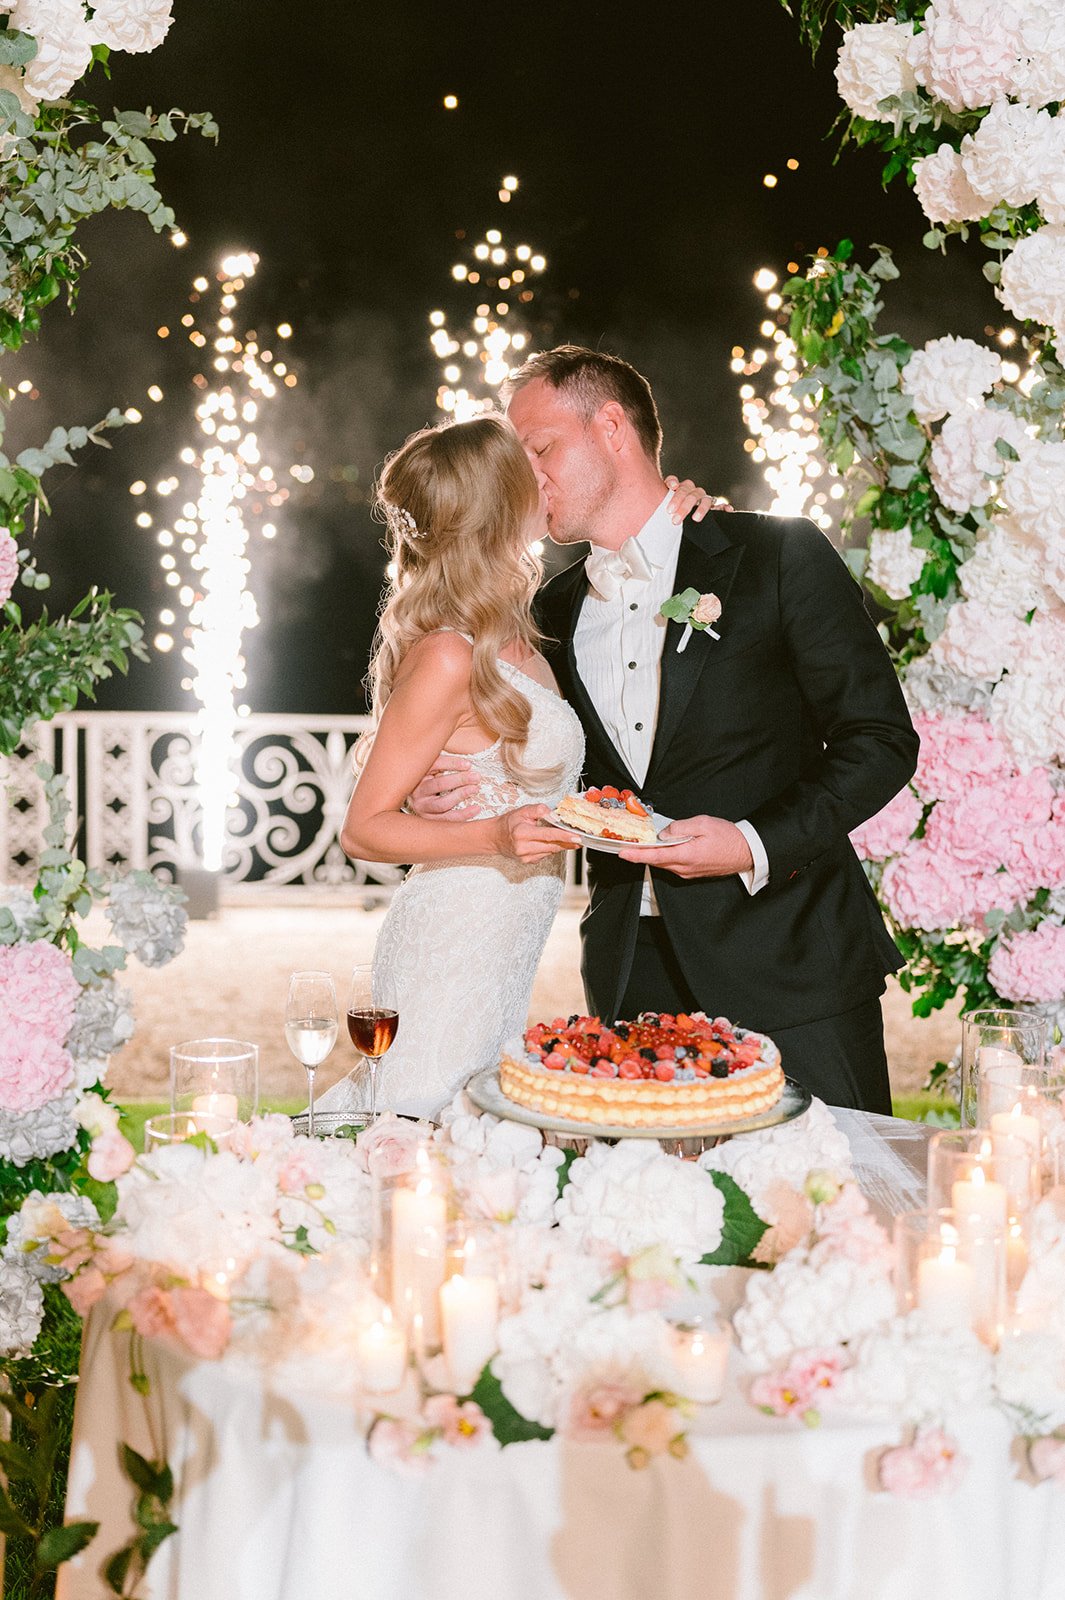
<point x="277" y="1499"/>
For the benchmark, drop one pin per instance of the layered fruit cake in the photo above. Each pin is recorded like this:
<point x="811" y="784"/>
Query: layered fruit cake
<point x="609" y="813"/>
<point x="659" y="1071"/>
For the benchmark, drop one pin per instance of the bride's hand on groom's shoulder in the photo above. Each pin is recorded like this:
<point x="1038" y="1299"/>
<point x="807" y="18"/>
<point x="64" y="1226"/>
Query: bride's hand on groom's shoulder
<point x="715" y="849"/>
<point x="449" y="789"/>
<point x="689" y="500"/>
<point x="524" y="835"/>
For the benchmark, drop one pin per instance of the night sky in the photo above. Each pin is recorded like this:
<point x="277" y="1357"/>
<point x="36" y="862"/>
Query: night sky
<point x="640" y="136"/>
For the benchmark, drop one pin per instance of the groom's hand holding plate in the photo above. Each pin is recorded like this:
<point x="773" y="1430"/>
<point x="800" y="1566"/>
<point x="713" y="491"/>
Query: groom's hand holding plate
<point x="713" y="848"/>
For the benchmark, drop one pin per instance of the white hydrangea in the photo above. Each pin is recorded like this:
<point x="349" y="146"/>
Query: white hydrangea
<point x="632" y="1196"/>
<point x="1005" y="158"/>
<point x="103" y="1021"/>
<point x="944" y="191"/>
<point x="1028" y="706"/>
<point x="64" y="45"/>
<point x="502" y="1171"/>
<point x="21" y="1309"/>
<point x="133" y="25"/>
<point x="147" y="918"/>
<point x="980" y="641"/>
<point x="191" y="1209"/>
<point x="20" y="916"/>
<point x="949" y="375"/>
<point x="910" y="1369"/>
<point x="931" y="685"/>
<point x="873" y="65"/>
<point x="771" y="1168"/>
<point x="1032" y="286"/>
<point x="967" y="54"/>
<point x="895" y="564"/>
<point x="40" y="1218"/>
<point x="1030" y="1376"/>
<point x="333" y="1202"/>
<point x="1039" y="77"/>
<point x="1003" y="572"/>
<point x="33" y="1135"/>
<point x="801" y="1303"/>
<point x="965" y="460"/>
<point x="12" y="81"/>
<point x="1034" y="490"/>
<point x="1051" y="195"/>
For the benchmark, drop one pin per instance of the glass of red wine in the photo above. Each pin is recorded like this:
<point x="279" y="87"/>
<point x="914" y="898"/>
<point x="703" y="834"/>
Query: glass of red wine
<point x="372" y="1027"/>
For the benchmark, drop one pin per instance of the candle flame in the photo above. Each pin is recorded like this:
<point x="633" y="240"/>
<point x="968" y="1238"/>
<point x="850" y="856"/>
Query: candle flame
<point x="977" y="1176"/>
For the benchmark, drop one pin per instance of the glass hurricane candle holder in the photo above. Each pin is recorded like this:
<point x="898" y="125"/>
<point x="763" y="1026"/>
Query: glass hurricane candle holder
<point x="698" y="1341"/>
<point x="983" y="1173"/>
<point x="175" y="1127"/>
<point x="411" y="1240"/>
<point x="997" y="1037"/>
<point x="952" y="1269"/>
<point x="218" y="1077"/>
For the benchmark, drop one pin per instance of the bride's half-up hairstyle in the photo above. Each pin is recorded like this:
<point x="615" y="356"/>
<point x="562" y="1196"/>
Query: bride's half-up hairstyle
<point x="458" y="502"/>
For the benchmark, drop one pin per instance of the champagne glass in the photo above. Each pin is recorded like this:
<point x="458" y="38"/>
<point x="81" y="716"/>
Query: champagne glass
<point x="311" y="1026"/>
<point x="372" y="1027"/>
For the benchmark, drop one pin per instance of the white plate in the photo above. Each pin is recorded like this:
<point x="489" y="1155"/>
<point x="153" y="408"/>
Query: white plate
<point x="613" y="847"/>
<point x="486" y="1094"/>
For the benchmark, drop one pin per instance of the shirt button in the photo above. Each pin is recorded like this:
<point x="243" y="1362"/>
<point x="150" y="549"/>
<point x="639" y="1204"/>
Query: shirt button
<point x="633" y="606"/>
<point x="632" y="666"/>
<point x="639" y="727"/>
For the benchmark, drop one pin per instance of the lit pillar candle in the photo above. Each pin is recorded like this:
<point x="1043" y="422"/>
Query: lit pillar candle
<point x="419" y="1252"/>
<point x="978" y="1199"/>
<point x="381" y="1350"/>
<point x="700" y="1361"/>
<point x="215" y="1105"/>
<point x="945" y="1289"/>
<point x="469" y="1313"/>
<point x="1018" y="1124"/>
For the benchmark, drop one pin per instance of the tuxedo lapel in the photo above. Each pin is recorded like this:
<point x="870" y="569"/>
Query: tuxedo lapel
<point x="708" y="563"/>
<point x="581" y="700"/>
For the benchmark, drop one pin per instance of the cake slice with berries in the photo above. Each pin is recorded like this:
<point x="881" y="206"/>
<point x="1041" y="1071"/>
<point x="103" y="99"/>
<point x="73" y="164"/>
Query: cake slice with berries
<point x="609" y="813"/>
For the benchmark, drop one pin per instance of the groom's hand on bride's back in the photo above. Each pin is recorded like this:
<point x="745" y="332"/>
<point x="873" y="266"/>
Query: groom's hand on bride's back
<point x="449" y="790"/>
<point x="715" y="849"/>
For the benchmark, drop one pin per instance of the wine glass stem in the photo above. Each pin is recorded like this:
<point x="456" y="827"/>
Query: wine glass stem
<point x="310" y="1102"/>
<point x="373" y="1088"/>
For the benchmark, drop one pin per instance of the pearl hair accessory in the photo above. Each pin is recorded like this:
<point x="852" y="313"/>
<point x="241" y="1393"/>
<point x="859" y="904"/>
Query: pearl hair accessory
<point x="403" y="522"/>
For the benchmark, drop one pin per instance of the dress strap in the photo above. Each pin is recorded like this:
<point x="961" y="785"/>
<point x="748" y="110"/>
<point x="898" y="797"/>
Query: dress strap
<point x="467" y="636"/>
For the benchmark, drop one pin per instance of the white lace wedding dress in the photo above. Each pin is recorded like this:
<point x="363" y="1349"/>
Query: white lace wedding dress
<point x="462" y="938"/>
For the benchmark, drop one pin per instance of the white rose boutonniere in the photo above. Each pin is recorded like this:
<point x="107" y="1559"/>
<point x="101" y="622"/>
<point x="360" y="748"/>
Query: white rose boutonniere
<point x="695" y="610"/>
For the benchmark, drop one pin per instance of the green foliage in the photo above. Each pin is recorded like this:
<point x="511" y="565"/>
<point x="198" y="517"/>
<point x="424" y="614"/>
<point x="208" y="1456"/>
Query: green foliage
<point x="33" y="1463"/>
<point x="814" y="16"/>
<point x="741" y="1228"/>
<point x="151" y="1513"/>
<point x="568" y="1158"/>
<point x="508" y="1425"/>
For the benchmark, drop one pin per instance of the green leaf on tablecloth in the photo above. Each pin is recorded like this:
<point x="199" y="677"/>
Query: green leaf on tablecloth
<point x="508" y="1425"/>
<point x="568" y="1158"/>
<point x="117" y="1569"/>
<point x="741" y="1227"/>
<point x="148" y="1476"/>
<point x="59" y="1544"/>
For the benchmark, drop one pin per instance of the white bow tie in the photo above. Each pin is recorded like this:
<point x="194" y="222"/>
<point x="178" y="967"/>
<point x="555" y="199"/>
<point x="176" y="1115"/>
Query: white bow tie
<point x="607" y="570"/>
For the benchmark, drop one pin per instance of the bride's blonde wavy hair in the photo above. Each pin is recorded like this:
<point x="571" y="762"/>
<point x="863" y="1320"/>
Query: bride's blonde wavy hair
<point x="459" y="502"/>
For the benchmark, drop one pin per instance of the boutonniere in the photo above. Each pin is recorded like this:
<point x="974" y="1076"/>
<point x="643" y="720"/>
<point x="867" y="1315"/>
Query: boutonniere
<point x="695" y="610"/>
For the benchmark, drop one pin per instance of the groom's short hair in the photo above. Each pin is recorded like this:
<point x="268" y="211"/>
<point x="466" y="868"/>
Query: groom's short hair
<point x="589" y="379"/>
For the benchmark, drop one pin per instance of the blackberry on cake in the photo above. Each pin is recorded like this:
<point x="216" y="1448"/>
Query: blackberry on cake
<point x="609" y="813"/>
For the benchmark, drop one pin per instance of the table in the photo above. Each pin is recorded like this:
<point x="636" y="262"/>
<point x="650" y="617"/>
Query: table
<point x="277" y="1499"/>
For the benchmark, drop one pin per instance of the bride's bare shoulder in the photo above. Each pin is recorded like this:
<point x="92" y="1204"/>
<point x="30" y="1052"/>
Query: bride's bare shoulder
<point x="446" y="655"/>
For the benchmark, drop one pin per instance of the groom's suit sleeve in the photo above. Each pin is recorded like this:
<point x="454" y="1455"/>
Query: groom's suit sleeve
<point x="852" y="693"/>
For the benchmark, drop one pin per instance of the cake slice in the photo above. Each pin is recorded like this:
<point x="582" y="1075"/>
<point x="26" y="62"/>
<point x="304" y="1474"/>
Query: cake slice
<point x="609" y="813"/>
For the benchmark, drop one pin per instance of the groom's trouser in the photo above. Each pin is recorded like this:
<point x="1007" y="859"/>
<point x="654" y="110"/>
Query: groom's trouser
<point x="840" y="1059"/>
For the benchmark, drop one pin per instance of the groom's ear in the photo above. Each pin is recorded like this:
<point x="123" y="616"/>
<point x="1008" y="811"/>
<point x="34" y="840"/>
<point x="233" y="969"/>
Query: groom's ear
<point x="613" y="426"/>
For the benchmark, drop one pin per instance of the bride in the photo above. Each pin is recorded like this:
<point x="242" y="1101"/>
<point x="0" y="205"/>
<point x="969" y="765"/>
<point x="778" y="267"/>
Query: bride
<point x="456" y="670"/>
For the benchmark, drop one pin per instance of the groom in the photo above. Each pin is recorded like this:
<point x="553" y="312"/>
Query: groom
<point x="769" y="739"/>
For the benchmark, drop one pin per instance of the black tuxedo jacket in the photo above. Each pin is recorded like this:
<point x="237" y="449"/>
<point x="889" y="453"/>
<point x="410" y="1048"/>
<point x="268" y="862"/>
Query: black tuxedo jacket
<point x="792" y="719"/>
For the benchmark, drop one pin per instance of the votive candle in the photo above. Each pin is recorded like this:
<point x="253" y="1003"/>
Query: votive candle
<point x="381" y="1350"/>
<point x="469" y="1314"/>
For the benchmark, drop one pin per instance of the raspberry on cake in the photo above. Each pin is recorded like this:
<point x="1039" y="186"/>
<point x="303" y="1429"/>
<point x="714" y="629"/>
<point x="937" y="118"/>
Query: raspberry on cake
<point x="659" y="1071"/>
<point x="609" y="813"/>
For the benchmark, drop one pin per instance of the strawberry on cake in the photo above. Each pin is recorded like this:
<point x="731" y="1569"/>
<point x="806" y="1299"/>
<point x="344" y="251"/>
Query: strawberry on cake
<point x="608" y="813"/>
<point x="659" y="1071"/>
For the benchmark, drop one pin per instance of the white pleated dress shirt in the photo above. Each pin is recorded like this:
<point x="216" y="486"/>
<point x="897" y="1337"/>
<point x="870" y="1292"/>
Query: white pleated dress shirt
<point x="618" y="646"/>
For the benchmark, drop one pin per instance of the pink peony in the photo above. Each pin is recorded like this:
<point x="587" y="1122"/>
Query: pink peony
<point x="796" y="1391"/>
<point x="957" y="752"/>
<point x="399" y="1445"/>
<point x="33" y="1068"/>
<point x="928" y="1466"/>
<point x="462" y="1426"/>
<point x="1030" y="966"/>
<point x="85" y="1290"/>
<point x="1046" y="1457"/>
<point x="111" y="1155"/>
<point x="151" y="1312"/>
<point x="201" y="1321"/>
<point x="8" y="564"/>
<point x="599" y="1406"/>
<point x="890" y="831"/>
<point x="38" y="988"/>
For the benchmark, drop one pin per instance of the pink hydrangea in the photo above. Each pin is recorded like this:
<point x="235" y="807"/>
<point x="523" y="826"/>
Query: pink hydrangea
<point x="982" y="829"/>
<point x="890" y="831"/>
<point x="38" y="988"/>
<point x="1038" y="859"/>
<point x="1030" y="966"/>
<point x="923" y="889"/>
<point x="931" y="1465"/>
<point x="956" y="753"/>
<point x="8" y="565"/>
<point x="33" y="1068"/>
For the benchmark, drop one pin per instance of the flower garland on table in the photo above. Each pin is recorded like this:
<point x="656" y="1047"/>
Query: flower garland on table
<point x="961" y="476"/>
